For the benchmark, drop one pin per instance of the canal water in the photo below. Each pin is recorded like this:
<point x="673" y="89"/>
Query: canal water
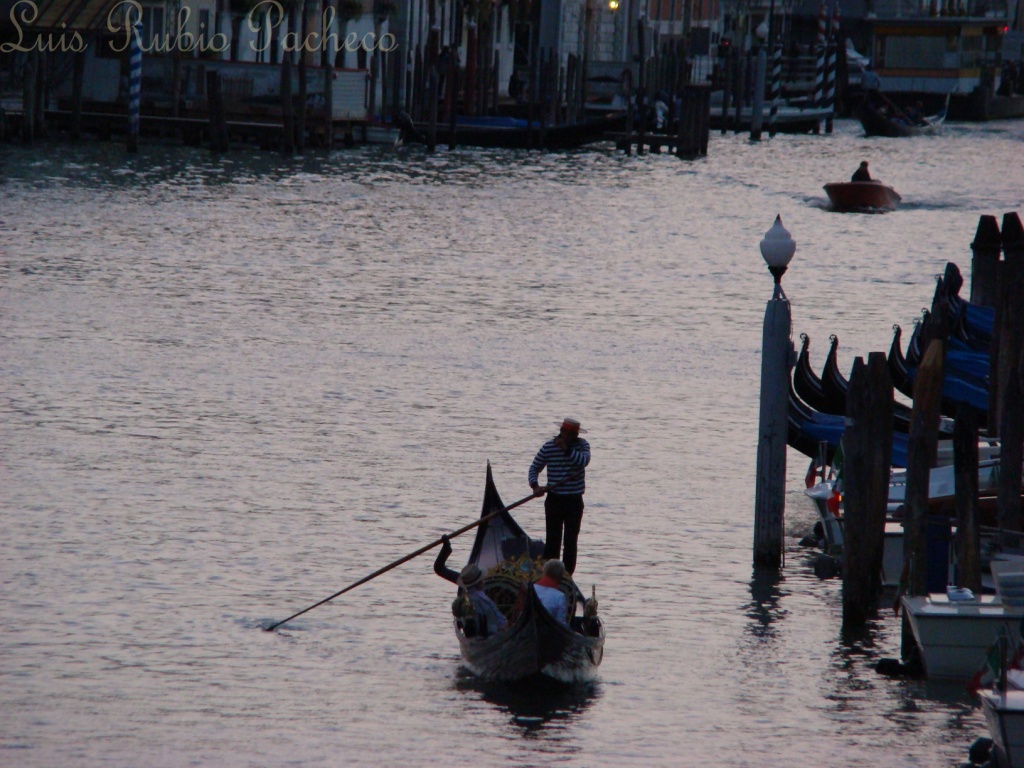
<point x="229" y="387"/>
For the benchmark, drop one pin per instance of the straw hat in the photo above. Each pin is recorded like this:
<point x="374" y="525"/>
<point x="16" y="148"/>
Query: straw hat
<point x="571" y="425"/>
<point x="470" y="576"/>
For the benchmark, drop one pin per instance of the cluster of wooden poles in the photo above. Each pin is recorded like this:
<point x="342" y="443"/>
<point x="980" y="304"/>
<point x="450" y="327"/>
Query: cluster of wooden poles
<point x="867" y="440"/>
<point x="667" y="73"/>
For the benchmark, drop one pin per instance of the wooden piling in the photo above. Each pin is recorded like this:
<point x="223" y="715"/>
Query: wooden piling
<point x="921" y="445"/>
<point x="757" y="102"/>
<point x="739" y="94"/>
<point x="287" y="105"/>
<point x="451" y="85"/>
<point x="215" y="109"/>
<point x="684" y="148"/>
<point x="1010" y="416"/>
<point x="471" y="69"/>
<point x="42" y="94"/>
<point x="985" y="262"/>
<point x="300" y="114"/>
<point x="28" y="98"/>
<point x="77" y="82"/>
<point x="770" y="485"/>
<point x="867" y="451"/>
<point x="727" y="83"/>
<point x="327" y="62"/>
<point x="630" y="108"/>
<point x="965" y="467"/>
<point x="432" y="98"/>
<point x="705" y="118"/>
<point x="641" y="105"/>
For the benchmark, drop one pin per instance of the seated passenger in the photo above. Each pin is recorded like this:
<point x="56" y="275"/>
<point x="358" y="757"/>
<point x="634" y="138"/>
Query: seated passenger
<point x="471" y="580"/>
<point x="548" y="590"/>
<point x="488" y="613"/>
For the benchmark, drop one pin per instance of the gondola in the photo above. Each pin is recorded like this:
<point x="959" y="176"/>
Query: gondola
<point x="964" y="379"/>
<point x="533" y="643"/>
<point x="809" y="428"/>
<point x="897" y="363"/>
<point x="806" y="382"/>
<point x="879" y="123"/>
<point x="828" y="392"/>
<point x="833" y="383"/>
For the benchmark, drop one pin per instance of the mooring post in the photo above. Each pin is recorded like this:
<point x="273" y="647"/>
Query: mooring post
<point x="985" y="262"/>
<point x="965" y="467"/>
<point x="1010" y="416"/>
<point x="757" y="103"/>
<point x="777" y="358"/>
<point x="134" y="86"/>
<point x="867" y="462"/>
<point x="924" y="421"/>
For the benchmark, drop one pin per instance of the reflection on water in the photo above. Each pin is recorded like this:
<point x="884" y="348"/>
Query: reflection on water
<point x="230" y="385"/>
<point x="764" y="609"/>
<point x="534" y="703"/>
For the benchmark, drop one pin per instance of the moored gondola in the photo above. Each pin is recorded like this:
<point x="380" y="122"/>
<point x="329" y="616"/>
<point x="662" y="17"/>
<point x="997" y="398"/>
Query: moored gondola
<point x="965" y="378"/>
<point x="833" y="383"/>
<point x="806" y="382"/>
<point x="828" y="392"/>
<point x="809" y="428"/>
<point x="567" y="648"/>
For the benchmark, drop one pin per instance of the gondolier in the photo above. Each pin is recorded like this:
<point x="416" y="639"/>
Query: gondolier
<point x="565" y="456"/>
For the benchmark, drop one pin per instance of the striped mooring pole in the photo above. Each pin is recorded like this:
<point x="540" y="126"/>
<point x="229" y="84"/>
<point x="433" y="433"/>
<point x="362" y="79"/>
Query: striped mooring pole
<point x="819" y="75"/>
<point x="830" y="69"/>
<point x="776" y="53"/>
<point x="134" y="86"/>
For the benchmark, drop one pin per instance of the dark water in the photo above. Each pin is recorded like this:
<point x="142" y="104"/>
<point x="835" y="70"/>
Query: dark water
<point x="229" y="388"/>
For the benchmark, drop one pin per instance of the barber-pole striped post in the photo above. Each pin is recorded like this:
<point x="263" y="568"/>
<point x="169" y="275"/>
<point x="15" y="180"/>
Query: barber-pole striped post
<point x="773" y="114"/>
<point x="134" y="86"/>
<point x="819" y="75"/>
<point x="830" y="68"/>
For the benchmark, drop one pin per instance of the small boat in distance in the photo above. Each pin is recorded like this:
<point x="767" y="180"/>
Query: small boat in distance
<point x="890" y="120"/>
<point x="862" y="197"/>
<point x="533" y="643"/>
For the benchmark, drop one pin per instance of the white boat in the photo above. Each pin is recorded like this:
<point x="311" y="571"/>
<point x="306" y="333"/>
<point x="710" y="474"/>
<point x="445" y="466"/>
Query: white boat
<point x="832" y="535"/>
<point x="954" y="636"/>
<point x="789" y="117"/>
<point x="942" y="481"/>
<point x="955" y="631"/>
<point x="941" y="485"/>
<point x="1004" y="714"/>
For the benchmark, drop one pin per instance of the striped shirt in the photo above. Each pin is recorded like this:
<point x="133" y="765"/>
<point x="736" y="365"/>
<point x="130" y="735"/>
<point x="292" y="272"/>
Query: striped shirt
<point x="561" y="464"/>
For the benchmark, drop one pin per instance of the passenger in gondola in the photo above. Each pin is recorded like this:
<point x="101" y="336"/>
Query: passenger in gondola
<point x="484" y="616"/>
<point x="440" y="563"/>
<point x="548" y="589"/>
<point x="861" y="174"/>
<point x="915" y="114"/>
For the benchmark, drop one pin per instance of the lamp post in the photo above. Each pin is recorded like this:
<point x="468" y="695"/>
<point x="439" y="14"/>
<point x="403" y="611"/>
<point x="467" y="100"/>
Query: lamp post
<point x="777" y="358"/>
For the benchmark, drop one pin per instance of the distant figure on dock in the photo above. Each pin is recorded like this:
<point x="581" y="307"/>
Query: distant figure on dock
<point x="861" y="174"/>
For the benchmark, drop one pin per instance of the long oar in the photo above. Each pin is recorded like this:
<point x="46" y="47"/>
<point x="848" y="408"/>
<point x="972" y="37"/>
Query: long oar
<point x="417" y="553"/>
